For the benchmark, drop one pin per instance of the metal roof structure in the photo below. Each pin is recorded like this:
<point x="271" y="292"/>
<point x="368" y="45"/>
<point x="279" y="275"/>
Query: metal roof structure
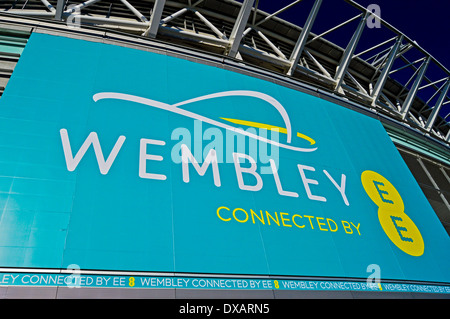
<point x="396" y="77"/>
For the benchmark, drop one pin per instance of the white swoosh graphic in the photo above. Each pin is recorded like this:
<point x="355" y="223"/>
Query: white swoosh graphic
<point x="174" y="109"/>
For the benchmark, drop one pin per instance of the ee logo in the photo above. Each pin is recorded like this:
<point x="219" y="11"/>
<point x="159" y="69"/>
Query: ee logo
<point x="400" y="229"/>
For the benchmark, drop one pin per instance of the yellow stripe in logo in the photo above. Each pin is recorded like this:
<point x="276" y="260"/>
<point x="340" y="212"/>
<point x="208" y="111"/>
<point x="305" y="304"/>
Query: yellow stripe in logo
<point x="269" y="127"/>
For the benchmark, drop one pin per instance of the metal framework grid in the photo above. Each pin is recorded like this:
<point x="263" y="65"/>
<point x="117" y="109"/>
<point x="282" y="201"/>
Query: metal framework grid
<point x="390" y="77"/>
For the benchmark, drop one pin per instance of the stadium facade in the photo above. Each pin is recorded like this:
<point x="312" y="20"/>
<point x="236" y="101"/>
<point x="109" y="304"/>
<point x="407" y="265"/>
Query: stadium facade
<point x="208" y="149"/>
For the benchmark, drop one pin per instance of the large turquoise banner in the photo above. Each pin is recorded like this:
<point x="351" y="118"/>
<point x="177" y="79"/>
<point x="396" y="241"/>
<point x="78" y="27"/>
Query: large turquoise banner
<point x="120" y="159"/>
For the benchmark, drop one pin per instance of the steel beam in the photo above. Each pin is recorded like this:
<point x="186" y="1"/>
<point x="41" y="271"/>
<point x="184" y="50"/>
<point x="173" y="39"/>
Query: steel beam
<point x="413" y="91"/>
<point x="210" y="25"/>
<point x="135" y="11"/>
<point x="174" y="15"/>
<point x="273" y="46"/>
<point x="408" y="65"/>
<point x="348" y="53"/>
<point x="334" y="28"/>
<point x="155" y="19"/>
<point x="80" y="6"/>
<point x="445" y="174"/>
<point x="361" y="89"/>
<point x="436" y="186"/>
<point x="403" y="49"/>
<point x="48" y="5"/>
<point x="437" y="107"/>
<point x="60" y="9"/>
<point x="405" y="86"/>
<point x="270" y="16"/>
<point x="301" y="42"/>
<point x="320" y="66"/>
<point x="433" y="83"/>
<point x="385" y="72"/>
<point x="189" y="35"/>
<point x="30" y="13"/>
<point x="109" y="21"/>
<point x="375" y="47"/>
<point x="239" y="26"/>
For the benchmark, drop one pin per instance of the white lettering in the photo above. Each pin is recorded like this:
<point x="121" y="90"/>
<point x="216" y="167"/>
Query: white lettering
<point x="307" y="181"/>
<point x="211" y="158"/>
<point x="72" y="162"/>
<point x="340" y="188"/>
<point x="278" y="183"/>
<point x="250" y="170"/>
<point x="144" y="157"/>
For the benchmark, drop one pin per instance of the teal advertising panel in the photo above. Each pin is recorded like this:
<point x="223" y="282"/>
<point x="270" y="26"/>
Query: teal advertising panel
<point x="118" y="159"/>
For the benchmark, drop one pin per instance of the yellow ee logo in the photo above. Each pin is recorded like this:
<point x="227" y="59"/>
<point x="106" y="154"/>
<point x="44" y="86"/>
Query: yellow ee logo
<point x="400" y="229"/>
